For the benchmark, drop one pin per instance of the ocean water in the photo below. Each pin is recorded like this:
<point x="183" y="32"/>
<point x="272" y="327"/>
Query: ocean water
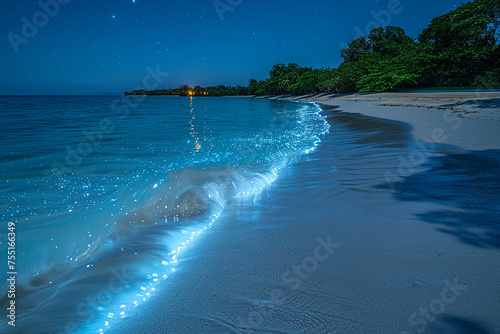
<point x="107" y="192"/>
<point x="404" y="216"/>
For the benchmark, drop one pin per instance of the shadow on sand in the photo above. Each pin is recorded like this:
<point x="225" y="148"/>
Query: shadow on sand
<point x="484" y="103"/>
<point x="458" y="325"/>
<point x="467" y="189"/>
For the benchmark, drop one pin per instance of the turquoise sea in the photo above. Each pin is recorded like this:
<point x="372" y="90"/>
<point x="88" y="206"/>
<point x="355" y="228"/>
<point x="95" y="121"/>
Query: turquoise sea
<point x="106" y="191"/>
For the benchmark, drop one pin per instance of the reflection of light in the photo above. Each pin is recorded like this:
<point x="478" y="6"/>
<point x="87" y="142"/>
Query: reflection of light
<point x="192" y="132"/>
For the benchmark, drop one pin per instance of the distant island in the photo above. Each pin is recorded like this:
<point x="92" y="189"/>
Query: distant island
<point x="186" y="90"/>
<point x="458" y="50"/>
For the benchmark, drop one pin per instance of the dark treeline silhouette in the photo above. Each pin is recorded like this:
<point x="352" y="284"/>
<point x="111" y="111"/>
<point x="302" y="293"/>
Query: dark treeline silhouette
<point x="186" y="90"/>
<point x="460" y="49"/>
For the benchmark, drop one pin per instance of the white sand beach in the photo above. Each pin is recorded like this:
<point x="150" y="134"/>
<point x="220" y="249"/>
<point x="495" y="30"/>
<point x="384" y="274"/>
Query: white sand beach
<point x="468" y="120"/>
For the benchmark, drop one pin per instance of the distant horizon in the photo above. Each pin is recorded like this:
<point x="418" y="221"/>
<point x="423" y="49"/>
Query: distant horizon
<point x="423" y="90"/>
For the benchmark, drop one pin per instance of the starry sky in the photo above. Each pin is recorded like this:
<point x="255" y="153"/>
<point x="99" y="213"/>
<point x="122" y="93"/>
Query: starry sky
<point x="110" y="46"/>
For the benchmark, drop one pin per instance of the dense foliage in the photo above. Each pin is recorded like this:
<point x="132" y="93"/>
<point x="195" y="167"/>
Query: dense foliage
<point x="458" y="49"/>
<point x="196" y="91"/>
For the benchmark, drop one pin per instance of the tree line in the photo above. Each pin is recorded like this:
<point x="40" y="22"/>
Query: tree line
<point x="460" y="49"/>
<point x="186" y="90"/>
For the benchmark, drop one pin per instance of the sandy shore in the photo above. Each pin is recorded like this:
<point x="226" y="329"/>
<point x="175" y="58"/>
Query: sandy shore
<point x="466" y="119"/>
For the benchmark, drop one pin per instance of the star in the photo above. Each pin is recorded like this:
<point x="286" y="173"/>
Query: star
<point x="114" y="16"/>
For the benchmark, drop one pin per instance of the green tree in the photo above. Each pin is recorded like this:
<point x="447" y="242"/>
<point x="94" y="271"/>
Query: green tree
<point x="185" y="89"/>
<point x="383" y="60"/>
<point x="283" y="76"/>
<point x="390" y="41"/>
<point x="388" y="73"/>
<point x="462" y="43"/>
<point x="356" y="48"/>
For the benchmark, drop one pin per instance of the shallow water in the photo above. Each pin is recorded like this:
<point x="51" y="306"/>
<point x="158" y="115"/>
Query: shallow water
<point x="403" y="217"/>
<point x="106" y="192"/>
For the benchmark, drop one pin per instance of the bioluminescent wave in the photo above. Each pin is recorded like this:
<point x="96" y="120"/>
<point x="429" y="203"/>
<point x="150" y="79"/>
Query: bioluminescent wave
<point x="107" y="198"/>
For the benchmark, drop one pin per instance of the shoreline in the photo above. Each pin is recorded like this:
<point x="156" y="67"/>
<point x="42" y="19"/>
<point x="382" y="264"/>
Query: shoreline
<point x="467" y="120"/>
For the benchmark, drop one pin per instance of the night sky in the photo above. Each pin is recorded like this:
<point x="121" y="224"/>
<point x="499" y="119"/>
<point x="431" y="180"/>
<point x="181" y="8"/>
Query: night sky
<point x="110" y="46"/>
